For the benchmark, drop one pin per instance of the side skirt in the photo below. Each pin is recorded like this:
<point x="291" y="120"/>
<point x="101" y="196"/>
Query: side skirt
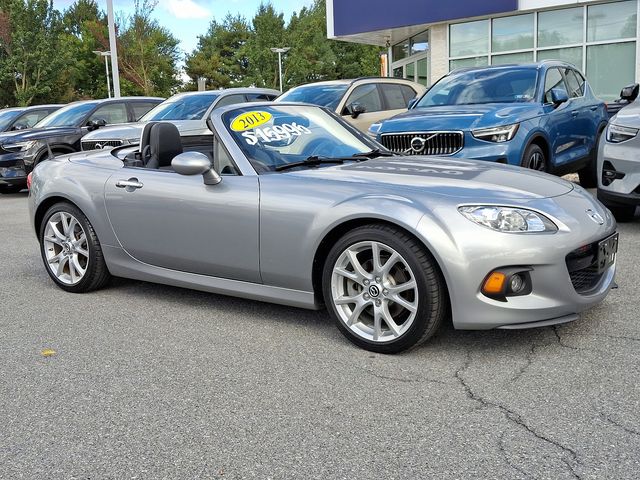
<point x="121" y="264"/>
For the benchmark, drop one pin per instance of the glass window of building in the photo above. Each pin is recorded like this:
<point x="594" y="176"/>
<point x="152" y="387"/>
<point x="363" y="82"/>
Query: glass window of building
<point x="420" y="43"/>
<point x="470" y="38"/>
<point x="512" y="33"/>
<point x="400" y="51"/>
<point x="611" y="21"/>
<point x="423" y="71"/>
<point x="569" y="55"/>
<point x="524" y="57"/>
<point x="602" y="60"/>
<point x="469" y="62"/>
<point x="410" y="71"/>
<point x="560" y="27"/>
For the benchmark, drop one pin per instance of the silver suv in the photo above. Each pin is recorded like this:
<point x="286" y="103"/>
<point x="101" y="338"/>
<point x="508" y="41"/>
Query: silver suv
<point x="188" y="111"/>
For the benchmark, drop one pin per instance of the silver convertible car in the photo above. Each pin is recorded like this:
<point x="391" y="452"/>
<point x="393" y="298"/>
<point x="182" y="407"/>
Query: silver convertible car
<point x="290" y="204"/>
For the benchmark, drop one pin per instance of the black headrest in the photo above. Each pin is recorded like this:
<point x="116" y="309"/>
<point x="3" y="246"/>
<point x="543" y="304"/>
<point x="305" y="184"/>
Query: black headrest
<point x="164" y="144"/>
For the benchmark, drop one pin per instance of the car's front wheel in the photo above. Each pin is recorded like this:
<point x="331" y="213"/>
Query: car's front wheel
<point x="534" y="158"/>
<point x="71" y="251"/>
<point x="383" y="289"/>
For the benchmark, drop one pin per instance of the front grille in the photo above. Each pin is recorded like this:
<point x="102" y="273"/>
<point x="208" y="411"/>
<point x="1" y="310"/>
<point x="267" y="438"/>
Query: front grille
<point x="435" y="143"/>
<point x="583" y="269"/>
<point x="98" y="144"/>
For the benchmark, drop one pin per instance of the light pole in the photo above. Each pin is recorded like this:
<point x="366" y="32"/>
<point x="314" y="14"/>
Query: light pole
<point x="106" y="67"/>
<point x="280" y="51"/>
<point x="114" y="50"/>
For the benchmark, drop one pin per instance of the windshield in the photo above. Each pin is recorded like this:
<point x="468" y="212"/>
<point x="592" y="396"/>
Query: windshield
<point x="273" y="136"/>
<point x="72" y="115"/>
<point x="188" y="107"/>
<point x="7" y="117"/>
<point x="324" y="95"/>
<point x="483" y="86"/>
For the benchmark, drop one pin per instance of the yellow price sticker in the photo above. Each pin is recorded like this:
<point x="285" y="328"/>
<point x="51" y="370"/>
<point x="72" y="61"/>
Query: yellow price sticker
<point x="249" y="120"/>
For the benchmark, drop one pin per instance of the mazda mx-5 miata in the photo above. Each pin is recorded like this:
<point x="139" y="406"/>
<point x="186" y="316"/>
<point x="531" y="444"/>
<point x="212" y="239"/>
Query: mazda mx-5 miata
<point x="290" y="204"/>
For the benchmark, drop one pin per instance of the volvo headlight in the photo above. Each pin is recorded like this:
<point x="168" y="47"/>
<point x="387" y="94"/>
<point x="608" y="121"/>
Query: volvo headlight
<point x="618" y="133"/>
<point x="497" y="134"/>
<point x="19" y="146"/>
<point x="373" y="130"/>
<point x="508" y="219"/>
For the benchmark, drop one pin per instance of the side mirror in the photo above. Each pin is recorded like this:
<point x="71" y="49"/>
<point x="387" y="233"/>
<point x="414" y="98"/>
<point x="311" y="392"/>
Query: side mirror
<point x="559" y="96"/>
<point x="355" y="109"/>
<point x="412" y="103"/>
<point x="630" y="92"/>
<point x="96" y="123"/>
<point x="196" y="163"/>
<point x="20" y="126"/>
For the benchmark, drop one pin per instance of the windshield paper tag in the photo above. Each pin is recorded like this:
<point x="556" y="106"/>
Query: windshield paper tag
<point x="276" y="133"/>
<point x="249" y="120"/>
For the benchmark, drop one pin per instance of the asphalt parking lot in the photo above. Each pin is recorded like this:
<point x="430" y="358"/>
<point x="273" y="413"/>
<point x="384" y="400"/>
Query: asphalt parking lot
<point x="159" y="382"/>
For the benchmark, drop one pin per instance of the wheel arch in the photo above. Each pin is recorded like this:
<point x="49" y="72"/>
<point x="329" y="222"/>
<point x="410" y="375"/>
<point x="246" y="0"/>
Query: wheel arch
<point x="539" y="139"/>
<point x="332" y="236"/>
<point x="56" y="148"/>
<point x="45" y="205"/>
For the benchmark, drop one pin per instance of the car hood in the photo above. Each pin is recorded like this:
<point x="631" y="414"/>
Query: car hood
<point x="629" y="116"/>
<point x="464" y="179"/>
<point x="461" y="117"/>
<point x="37" y="134"/>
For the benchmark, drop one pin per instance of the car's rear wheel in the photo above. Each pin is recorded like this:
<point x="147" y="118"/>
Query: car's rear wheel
<point x="535" y="158"/>
<point x="589" y="173"/>
<point x="71" y="251"/>
<point x="383" y="289"/>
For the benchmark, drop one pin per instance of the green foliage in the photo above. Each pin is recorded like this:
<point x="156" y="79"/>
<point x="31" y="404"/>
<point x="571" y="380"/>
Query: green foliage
<point x="268" y="32"/>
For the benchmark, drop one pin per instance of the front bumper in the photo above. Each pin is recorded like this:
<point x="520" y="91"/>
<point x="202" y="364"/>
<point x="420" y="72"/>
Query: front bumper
<point x="619" y="172"/>
<point x="470" y="252"/>
<point x="12" y="170"/>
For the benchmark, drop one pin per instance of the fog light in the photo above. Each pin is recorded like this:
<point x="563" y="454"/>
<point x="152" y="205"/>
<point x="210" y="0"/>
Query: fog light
<point x="516" y="284"/>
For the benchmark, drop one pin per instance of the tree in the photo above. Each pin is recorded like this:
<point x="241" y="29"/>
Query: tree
<point x="29" y="36"/>
<point x="148" y="53"/>
<point x="268" y="32"/>
<point x="220" y="54"/>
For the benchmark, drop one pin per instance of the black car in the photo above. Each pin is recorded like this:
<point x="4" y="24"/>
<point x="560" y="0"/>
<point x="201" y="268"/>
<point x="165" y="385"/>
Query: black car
<point x="60" y="133"/>
<point x="21" y="118"/>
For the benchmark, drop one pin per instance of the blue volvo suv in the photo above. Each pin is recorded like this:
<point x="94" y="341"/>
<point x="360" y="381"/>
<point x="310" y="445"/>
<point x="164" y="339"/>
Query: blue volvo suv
<point x="542" y="116"/>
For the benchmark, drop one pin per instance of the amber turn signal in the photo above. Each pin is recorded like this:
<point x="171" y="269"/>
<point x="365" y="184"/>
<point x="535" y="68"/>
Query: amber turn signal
<point x="494" y="283"/>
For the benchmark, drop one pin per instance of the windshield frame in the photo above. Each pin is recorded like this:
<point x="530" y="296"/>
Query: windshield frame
<point x="11" y="115"/>
<point x="344" y="88"/>
<point x="238" y="155"/>
<point x="535" y="99"/>
<point x="92" y="104"/>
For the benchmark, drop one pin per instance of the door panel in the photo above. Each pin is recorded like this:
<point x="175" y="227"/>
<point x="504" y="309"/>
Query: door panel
<point x="177" y="222"/>
<point x="559" y="120"/>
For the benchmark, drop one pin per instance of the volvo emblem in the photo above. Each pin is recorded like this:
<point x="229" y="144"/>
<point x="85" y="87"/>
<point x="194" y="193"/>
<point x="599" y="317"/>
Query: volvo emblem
<point x="374" y="291"/>
<point x="417" y="144"/>
<point x="595" y="216"/>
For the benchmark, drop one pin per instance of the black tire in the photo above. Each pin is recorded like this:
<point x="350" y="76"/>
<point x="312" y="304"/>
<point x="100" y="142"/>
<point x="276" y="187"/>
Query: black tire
<point x="589" y="173"/>
<point x="623" y="213"/>
<point x="11" y="188"/>
<point x="534" y="158"/>
<point x="97" y="274"/>
<point x="432" y="304"/>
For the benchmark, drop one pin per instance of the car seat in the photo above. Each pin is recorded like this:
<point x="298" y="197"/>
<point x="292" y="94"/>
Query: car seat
<point x="164" y="145"/>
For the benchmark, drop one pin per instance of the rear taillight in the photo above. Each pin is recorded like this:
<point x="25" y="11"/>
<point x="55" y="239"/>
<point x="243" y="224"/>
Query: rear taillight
<point x="29" y="180"/>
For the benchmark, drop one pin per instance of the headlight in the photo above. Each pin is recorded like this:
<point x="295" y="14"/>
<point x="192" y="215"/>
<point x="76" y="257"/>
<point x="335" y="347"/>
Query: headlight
<point x="618" y="133"/>
<point x="497" y="134"/>
<point x="19" y="146"/>
<point x="508" y="219"/>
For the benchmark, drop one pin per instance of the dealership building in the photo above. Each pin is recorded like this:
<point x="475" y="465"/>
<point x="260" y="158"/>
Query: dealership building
<point x="428" y="38"/>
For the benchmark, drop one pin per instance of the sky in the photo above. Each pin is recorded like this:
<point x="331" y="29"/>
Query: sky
<point x="189" y="18"/>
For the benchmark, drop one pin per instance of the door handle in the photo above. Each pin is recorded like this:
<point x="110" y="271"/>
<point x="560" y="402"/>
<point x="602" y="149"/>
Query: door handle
<point x="594" y="108"/>
<point x="575" y="113"/>
<point x="132" y="183"/>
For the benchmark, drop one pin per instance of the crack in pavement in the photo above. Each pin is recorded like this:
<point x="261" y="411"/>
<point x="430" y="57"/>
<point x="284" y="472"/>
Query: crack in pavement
<point x="403" y="380"/>
<point x="514" y="417"/>
<point x="608" y="419"/>
<point x="508" y="460"/>
<point x="621" y="337"/>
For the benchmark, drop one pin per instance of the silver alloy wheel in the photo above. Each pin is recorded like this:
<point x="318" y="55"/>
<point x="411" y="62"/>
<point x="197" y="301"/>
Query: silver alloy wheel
<point x="536" y="162"/>
<point x="374" y="291"/>
<point x="65" y="248"/>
